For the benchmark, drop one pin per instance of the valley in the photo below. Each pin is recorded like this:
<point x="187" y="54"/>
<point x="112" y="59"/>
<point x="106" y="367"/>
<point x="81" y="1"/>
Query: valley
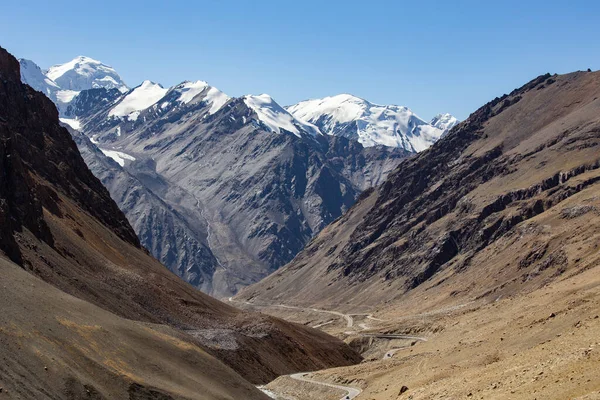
<point x="495" y="291"/>
<point x="233" y="187"/>
<point x="163" y="239"/>
<point x="510" y="348"/>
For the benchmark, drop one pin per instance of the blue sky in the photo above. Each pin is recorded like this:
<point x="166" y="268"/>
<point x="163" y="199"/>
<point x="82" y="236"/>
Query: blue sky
<point x="431" y="56"/>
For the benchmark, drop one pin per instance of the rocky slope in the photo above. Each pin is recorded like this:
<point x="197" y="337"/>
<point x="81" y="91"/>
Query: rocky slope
<point x="55" y="346"/>
<point x="482" y="214"/>
<point x="60" y="224"/>
<point x="163" y="229"/>
<point x="242" y="184"/>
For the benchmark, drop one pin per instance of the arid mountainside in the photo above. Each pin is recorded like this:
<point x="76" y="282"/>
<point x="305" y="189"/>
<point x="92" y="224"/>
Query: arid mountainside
<point x="60" y="224"/>
<point x="504" y="204"/>
<point x="55" y="346"/>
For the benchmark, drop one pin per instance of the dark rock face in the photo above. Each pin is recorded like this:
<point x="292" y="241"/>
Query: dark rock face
<point x="86" y="102"/>
<point x="33" y="146"/>
<point x="162" y="229"/>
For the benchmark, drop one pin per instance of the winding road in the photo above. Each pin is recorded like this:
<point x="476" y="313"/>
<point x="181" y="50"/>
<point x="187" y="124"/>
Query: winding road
<point x="347" y="317"/>
<point x="351" y="392"/>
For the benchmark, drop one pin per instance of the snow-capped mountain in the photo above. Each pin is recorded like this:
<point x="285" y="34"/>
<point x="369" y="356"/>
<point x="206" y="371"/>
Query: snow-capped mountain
<point x="276" y="118"/>
<point x="137" y="100"/>
<point x="225" y="190"/>
<point x="241" y="178"/>
<point x="370" y="124"/>
<point x="32" y="75"/>
<point x="186" y="92"/>
<point x="445" y="122"/>
<point x="82" y="73"/>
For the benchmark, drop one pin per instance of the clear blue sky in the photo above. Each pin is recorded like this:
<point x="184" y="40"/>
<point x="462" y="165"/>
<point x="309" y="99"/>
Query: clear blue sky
<point x="450" y="56"/>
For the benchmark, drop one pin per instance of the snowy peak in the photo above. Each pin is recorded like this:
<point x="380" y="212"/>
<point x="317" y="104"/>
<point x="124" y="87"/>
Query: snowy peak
<point x="276" y="118"/>
<point x="32" y="75"/>
<point x="445" y="122"/>
<point x="137" y="100"/>
<point x="371" y="124"/>
<point x="83" y="73"/>
<point x="342" y="108"/>
<point x="187" y="92"/>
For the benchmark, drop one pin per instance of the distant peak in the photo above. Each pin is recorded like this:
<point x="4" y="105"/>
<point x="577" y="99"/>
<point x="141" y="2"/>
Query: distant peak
<point x="276" y="117"/>
<point x="347" y="97"/>
<point x="195" y="83"/>
<point x="262" y="98"/>
<point x="149" y="83"/>
<point x="86" y="59"/>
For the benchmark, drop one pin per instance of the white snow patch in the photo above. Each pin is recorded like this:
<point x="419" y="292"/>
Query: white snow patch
<point x="72" y="122"/>
<point x="393" y="126"/>
<point x="65" y="96"/>
<point x="445" y="122"/>
<point x="189" y="90"/>
<point x="133" y="116"/>
<point x="118" y="156"/>
<point x="217" y="99"/>
<point x="276" y="117"/>
<point x="138" y="100"/>
<point x="106" y="81"/>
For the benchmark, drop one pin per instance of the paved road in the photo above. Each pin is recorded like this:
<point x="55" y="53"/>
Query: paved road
<point x="351" y="392"/>
<point x="393" y="351"/>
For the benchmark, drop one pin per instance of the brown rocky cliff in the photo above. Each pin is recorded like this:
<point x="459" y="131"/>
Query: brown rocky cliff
<point x="39" y="158"/>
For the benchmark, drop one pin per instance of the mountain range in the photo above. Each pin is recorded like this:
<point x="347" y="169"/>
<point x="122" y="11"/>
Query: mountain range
<point x="487" y="212"/>
<point x="87" y="312"/>
<point x="226" y="190"/>
<point x="460" y="262"/>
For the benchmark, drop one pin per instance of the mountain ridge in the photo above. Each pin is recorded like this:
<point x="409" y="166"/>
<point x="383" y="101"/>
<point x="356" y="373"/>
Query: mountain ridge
<point x="438" y="216"/>
<point x="370" y="124"/>
<point x="144" y="131"/>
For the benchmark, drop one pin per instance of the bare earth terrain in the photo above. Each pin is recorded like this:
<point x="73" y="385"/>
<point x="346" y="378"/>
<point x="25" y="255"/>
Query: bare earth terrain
<point x="482" y="251"/>
<point x="543" y="345"/>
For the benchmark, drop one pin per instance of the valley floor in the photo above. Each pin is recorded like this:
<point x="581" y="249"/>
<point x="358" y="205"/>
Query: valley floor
<point x="542" y="345"/>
